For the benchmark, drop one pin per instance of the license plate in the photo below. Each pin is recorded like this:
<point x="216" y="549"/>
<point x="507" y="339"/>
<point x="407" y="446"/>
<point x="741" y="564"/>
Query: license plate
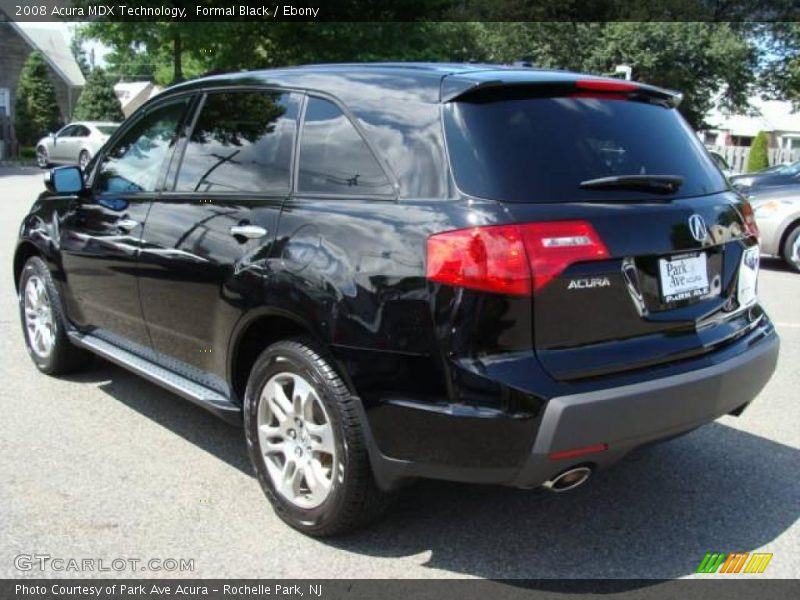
<point x="683" y="277"/>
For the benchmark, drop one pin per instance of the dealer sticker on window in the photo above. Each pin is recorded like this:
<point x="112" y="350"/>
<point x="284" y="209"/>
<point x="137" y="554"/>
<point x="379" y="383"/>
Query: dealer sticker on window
<point x="683" y="277"/>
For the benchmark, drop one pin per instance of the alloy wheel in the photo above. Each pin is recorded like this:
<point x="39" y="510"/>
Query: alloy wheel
<point x="83" y="160"/>
<point x="39" y="321"/>
<point x="41" y="157"/>
<point x="296" y="439"/>
<point x="794" y="253"/>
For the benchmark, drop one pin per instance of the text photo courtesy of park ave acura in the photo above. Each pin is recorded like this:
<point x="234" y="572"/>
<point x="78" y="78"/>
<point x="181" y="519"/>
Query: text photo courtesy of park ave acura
<point x="301" y="305"/>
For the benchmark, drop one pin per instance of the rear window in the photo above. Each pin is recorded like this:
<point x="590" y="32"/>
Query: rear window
<point x="540" y="149"/>
<point x="107" y="129"/>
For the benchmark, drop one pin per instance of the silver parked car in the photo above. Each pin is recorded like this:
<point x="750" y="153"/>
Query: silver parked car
<point x="777" y="212"/>
<point x="73" y="144"/>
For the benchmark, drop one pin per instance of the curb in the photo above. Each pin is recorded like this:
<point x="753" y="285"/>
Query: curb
<point x="18" y="163"/>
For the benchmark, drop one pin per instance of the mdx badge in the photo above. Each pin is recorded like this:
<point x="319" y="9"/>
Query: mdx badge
<point x="697" y="227"/>
<point x="589" y="283"/>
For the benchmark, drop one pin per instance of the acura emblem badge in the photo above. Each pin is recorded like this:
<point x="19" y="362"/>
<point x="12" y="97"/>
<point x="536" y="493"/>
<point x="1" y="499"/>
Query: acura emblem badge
<point x="697" y="226"/>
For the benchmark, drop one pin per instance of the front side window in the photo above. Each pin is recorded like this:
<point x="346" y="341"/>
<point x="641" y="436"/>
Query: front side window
<point x="134" y="163"/>
<point x="241" y="142"/>
<point x="334" y="158"/>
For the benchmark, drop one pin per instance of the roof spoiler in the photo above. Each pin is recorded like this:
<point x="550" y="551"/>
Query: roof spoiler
<point x="457" y="87"/>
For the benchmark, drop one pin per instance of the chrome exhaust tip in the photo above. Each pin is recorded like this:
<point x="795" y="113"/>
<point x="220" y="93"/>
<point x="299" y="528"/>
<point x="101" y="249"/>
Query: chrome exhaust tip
<point x="568" y="480"/>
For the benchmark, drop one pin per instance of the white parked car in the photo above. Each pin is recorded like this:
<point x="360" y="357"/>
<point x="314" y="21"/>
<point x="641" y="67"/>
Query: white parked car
<point x="73" y="144"/>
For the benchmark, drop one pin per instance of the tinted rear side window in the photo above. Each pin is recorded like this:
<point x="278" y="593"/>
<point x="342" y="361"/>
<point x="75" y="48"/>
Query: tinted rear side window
<point x="334" y="158"/>
<point x="541" y="149"/>
<point x="241" y="142"/>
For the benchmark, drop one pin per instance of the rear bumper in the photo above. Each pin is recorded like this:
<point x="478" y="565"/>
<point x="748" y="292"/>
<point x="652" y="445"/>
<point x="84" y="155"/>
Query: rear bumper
<point x="633" y="415"/>
<point x="508" y="450"/>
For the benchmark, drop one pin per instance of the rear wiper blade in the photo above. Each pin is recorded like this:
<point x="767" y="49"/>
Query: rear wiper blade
<point x="660" y="184"/>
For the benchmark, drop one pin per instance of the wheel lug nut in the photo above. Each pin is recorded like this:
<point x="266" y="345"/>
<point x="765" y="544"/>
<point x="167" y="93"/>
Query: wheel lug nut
<point x="292" y="433"/>
<point x="298" y="451"/>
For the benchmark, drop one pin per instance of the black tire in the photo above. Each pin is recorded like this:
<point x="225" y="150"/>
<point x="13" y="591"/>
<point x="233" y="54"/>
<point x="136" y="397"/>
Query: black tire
<point x="790" y="255"/>
<point x="63" y="358"/>
<point x="354" y="499"/>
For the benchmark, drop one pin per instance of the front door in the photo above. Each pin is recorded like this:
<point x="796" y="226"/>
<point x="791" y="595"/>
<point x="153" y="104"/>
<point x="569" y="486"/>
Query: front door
<point x="101" y="235"/>
<point x="206" y="242"/>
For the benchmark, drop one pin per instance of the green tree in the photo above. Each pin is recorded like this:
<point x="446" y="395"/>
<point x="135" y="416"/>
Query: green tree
<point x="36" y="109"/>
<point x="79" y="53"/>
<point x="130" y="64"/>
<point x="707" y="61"/>
<point x="780" y="74"/>
<point x="98" y="102"/>
<point x="159" y="50"/>
<point x="759" y="153"/>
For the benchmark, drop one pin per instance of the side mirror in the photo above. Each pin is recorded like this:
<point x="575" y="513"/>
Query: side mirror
<point x="64" y="180"/>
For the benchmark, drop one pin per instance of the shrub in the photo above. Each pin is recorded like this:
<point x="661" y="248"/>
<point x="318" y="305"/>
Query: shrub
<point x="98" y="102"/>
<point x="36" y="109"/>
<point x="759" y="153"/>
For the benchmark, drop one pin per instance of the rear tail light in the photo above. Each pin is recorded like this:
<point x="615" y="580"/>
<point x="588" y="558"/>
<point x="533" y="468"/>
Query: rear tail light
<point x="511" y="259"/>
<point x="603" y="85"/>
<point x="491" y="259"/>
<point x="750" y="225"/>
<point x="552" y="247"/>
<point x="604" y="90"/>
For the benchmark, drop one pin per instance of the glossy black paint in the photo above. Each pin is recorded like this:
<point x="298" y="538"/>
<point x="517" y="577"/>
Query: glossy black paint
<point x="453" y="381"/>
<point x="100" y="263"/>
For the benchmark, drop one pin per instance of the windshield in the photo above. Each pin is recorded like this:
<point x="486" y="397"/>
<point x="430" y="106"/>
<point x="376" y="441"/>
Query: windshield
<point x="524" y="149"/>
<point x="107" y="129"/>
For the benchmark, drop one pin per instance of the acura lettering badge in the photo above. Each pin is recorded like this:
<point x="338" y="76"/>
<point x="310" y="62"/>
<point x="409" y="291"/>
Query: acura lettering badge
<point x="697" y="226"/>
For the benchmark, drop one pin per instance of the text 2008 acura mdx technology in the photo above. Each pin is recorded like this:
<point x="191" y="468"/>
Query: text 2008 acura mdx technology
<point x="393" y="271"/>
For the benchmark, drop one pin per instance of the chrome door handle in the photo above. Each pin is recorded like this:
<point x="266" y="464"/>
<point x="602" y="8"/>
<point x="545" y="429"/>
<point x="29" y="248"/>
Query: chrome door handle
<point x="248" y="231"/>
<point x="127" y="224"/>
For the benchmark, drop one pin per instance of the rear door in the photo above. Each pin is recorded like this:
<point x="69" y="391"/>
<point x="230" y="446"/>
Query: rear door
<point x="208" y="237"/>
<point x="647" y="270"/>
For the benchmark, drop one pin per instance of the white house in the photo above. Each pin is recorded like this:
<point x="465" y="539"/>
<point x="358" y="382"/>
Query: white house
<point x="132" y="94"/>
<point x="776" y="117"/>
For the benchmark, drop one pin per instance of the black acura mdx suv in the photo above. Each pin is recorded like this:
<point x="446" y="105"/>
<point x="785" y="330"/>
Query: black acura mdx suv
<point x="392" y="271"/>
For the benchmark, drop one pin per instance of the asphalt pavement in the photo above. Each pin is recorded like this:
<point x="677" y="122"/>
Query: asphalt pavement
<point x="104" y="466"/>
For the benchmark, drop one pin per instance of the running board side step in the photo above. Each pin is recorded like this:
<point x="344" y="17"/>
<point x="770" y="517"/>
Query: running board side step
<point x="204" y="397"/>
